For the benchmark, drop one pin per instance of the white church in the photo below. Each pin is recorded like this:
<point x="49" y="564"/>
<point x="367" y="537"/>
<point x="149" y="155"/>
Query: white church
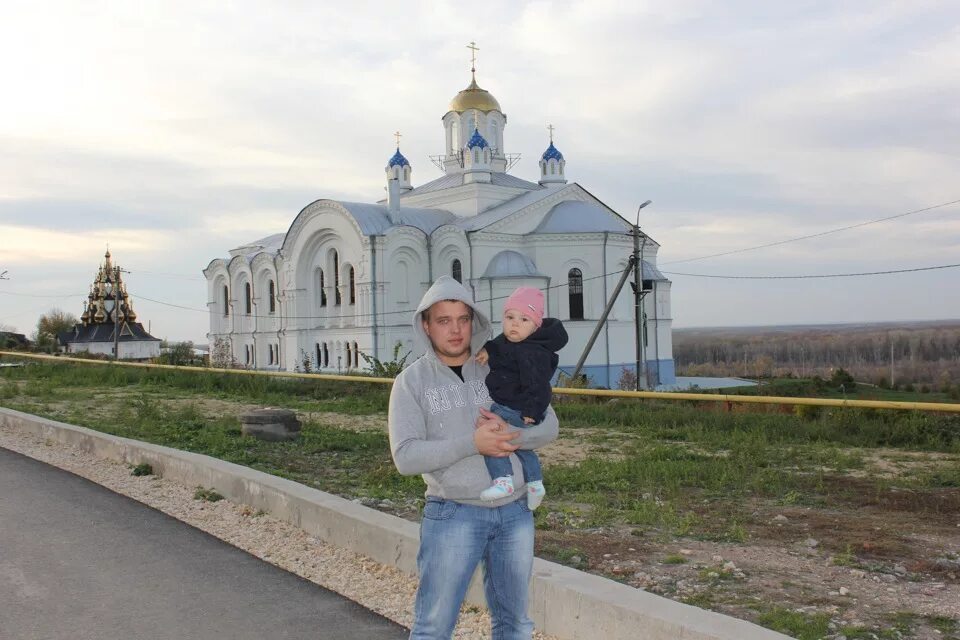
<point x="346" y="276"/>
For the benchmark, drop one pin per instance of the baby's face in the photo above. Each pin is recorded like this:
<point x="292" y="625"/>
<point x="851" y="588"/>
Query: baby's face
<point x="517" y="327"/>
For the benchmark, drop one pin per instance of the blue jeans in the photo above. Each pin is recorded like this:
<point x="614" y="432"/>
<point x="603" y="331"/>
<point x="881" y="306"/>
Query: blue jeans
<point x="454" y="539"/>
<point x="529" y="461"/>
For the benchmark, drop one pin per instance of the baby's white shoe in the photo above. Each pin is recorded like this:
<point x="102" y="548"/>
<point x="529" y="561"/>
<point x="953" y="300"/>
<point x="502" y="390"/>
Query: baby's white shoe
<point x="535" y="493"/>
<point x="501" y="488"/>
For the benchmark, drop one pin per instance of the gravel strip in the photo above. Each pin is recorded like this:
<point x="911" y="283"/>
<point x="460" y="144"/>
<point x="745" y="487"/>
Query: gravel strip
<point x="379" y="588"/>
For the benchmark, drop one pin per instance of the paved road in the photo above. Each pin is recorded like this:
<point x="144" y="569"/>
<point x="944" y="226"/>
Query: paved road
<point x="80" y="562"/>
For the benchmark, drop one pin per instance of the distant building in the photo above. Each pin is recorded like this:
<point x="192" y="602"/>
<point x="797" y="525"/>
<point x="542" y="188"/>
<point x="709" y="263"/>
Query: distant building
<point x="10" y="340"/>
<point x="344" y="279"/>
<point x="107" y="310"/>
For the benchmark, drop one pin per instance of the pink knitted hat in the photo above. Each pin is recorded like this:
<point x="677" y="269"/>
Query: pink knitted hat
<point x="528" y="301"/>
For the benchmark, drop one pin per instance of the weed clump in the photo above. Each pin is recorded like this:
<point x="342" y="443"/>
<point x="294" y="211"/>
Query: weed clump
<point x="142" y="469"/>
<point x="207" y="495"/>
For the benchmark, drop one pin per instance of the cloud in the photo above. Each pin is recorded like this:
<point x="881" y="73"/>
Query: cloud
<point x="745" y="122"/>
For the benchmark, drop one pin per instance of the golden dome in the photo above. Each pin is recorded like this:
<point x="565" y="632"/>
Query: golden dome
<point x="473" y="97"/>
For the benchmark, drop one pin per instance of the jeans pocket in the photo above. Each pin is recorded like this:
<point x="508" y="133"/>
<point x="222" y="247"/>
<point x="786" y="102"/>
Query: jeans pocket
<point x="437" y="509"/>
<point x="522" y="502"/>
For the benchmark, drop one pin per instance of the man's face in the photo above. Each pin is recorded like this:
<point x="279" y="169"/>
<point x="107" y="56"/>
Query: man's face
<point x="517" y="327"/>
<point x="450" y="327"/>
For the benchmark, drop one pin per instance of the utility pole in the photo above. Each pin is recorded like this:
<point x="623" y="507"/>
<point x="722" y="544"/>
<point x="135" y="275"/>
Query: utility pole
<point x="641" y="365"/>
<point x="638" y="293"/>
<point x="892" y="385"/>
<point x="603" y="319"/>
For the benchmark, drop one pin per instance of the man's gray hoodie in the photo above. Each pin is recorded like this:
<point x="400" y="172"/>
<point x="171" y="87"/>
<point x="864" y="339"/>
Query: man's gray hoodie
<point x="433" y="414"/>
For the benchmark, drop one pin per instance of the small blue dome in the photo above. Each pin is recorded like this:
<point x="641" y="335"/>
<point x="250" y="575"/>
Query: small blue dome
<point x="398" y="160"/>
<point x="477" y="140"/>
<point x="552" y="153"/>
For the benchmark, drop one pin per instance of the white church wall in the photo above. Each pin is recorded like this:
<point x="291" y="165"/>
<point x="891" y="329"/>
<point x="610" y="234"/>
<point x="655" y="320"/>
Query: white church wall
<point x="449" y="243"/>
<point x="466" y="200"/>
<point x="137" y="350"/>
<point x="403" y="279"/>
<point x="218" y="296"/>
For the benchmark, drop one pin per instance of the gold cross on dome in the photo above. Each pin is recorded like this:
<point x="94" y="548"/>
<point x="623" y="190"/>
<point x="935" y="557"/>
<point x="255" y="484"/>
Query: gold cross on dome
<point x="550" y="127"/>
<point x="397" y="135"/>
<point x="473" y="55"/>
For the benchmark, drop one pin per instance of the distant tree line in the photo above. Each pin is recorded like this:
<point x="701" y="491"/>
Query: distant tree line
<point x="886" y="357"/>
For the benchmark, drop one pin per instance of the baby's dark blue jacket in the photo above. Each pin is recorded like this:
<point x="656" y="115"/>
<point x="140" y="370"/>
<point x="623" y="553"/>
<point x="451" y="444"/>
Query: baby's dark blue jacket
<point x="520" y="372"/>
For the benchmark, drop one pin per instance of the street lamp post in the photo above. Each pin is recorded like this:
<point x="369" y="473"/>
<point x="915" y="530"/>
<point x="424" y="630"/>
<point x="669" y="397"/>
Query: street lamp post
<point x="641" y="368"/>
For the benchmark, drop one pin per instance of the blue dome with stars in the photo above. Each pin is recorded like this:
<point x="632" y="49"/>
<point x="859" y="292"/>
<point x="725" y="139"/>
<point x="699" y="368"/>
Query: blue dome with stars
<point x="477" y="140"/>
<point x="552" y="153"/>
<point x="398" y="160"/>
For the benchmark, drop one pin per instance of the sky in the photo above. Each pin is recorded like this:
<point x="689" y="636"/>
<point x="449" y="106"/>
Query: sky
<point x="175" y="131"/>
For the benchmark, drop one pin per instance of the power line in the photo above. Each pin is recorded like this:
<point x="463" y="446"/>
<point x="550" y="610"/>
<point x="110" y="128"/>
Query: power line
<point x="814" y="235"/>
<point x="809" y="277"/>
<point x="181" y="276"/>
<point x="34" y="295"/>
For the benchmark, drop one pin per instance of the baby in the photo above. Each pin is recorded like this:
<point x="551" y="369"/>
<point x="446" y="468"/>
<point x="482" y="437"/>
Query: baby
<point x="522" y="362"/>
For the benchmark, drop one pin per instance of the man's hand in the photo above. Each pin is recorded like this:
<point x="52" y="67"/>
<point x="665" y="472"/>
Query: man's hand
<point x="492" y="436"/>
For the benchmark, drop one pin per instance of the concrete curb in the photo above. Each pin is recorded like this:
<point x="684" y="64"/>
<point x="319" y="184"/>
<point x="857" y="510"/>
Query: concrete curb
<point x="564" y="602"/>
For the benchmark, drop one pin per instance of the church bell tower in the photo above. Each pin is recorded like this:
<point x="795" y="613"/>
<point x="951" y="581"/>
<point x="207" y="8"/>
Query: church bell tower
<point x="474" y="111"/>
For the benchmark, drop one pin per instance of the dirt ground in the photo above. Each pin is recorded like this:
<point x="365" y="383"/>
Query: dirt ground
<point x="860" y="565"/>
<point x="879" y="566"/>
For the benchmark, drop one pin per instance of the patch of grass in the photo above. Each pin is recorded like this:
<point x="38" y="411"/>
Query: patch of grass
<point x="944" y="624"/>
<point x="675" y="559"/>
<point x="681" y="468"/>
<point x="207" y="495"/>
<point x="714" y="574"/>
<point x="846" y="558"/>
<point x="142" y="469"/>
<point x="802" y="626"/>
<point x="571" y="556"/>
<point x="897" y="625"/>
<point x="703" y="600"/>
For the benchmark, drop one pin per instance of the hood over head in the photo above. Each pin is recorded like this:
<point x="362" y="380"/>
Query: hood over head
<point x="446" y="288"/>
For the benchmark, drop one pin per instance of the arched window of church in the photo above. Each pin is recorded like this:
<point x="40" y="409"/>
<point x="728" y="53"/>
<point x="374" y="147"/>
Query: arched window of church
<point x="353" y="286"/>
<point x="356" y="356"/>
<point x="401" y="282"/>
<point x="349" y="356"/>
<point x="406" y="173"/>
<point x="493" y="133"/>
<point x="273" y="297"/>
<point x="553" y="168"/>
<point x="544" y="168"/>
<point x="336" y="279"/>
<point x="226" y="300"/>
<point x="319" y="356"/>
<point x="326" y="355"/>
<point x="454" y="137"/>
<point x="575" y="291"/>
<point x="457" y="271"/>
<point x="248" y="298"/>
<point x="476" y="155"/>
<point x="323" y="288"/>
